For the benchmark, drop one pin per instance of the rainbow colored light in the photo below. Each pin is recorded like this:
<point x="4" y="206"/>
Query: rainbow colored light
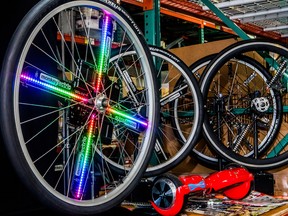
<point x="69" y="94"/>
<point x="53" y="88"/>
<point x="85" y="161"/>
<point x="105" y="49"/>
<point x="126" y="116"/>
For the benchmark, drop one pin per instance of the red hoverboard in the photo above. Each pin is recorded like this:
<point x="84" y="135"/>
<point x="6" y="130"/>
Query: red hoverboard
<point x="168" y="191"/>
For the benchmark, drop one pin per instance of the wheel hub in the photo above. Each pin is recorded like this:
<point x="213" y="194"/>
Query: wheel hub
<point x="101" y="102"/>
<point x="261" y="104"/>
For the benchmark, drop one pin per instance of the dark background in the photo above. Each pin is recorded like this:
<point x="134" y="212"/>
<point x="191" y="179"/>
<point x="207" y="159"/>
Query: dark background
<point x="16" y="199"/>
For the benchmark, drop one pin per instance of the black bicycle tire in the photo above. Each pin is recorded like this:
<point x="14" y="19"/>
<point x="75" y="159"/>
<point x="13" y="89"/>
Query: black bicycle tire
<point x="197" y="99"/>
<point x="205" y="160"/>
<point x="162" y="54"/>
<point x="32" y="18"/>
<point x="234" y="50"/>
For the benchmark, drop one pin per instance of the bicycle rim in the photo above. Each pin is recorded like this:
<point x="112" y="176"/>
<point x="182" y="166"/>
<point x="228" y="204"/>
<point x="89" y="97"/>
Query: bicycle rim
<point x="268" y="151"/>
<point x="63" y="124"/>
<point x="180" y="111"/>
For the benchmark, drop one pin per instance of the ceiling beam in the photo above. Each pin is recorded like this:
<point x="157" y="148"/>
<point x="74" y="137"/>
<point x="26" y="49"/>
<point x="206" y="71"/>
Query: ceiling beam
<point x="192" y="9"/>
<point x="260" y="13"/>
<point x="274" y="28"/>
<point x="264" y="17"/>
<point x="200" y="22"/>
<point x="232" y="3"/>
<point x="146" y="5"/>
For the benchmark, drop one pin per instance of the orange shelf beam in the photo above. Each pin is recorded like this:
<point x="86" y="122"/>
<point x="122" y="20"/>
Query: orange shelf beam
<point x="82" y="40"/>
<point x="145" y="4"/>
<point x="186" y="10"/>
<point x="193" y="9"/>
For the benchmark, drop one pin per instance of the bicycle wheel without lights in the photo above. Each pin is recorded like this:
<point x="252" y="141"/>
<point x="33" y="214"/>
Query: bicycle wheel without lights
<point x="203" y="152"/>
<point x="244" y="121"/>
<point x="181" y="109"/>
<point x="68" y="115"/>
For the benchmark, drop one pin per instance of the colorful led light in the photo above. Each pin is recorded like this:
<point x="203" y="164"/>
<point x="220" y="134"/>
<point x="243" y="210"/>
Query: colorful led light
<point x="53" y="88"/>
<point x="85" y="161"/>
<point x="105" y="49"/>
<point x="126" y="116"/>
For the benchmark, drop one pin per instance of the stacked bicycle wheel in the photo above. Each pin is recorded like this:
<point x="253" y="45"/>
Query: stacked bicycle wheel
<point x="244" y="90"/>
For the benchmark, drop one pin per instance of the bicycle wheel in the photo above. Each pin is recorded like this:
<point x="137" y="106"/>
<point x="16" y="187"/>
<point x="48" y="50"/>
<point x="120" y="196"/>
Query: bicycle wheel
<point x="64" y="109"/>
<point x="180" y="109"/>
<point x="203" y="152"/>
<point x="243" y="117"/>
<point x="198" y="66"/>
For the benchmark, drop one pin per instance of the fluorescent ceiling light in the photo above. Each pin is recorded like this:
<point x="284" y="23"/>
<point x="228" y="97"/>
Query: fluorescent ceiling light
<point x="259" y="13"/>
<point x="232" y="3"/>
<point x="276" y="28"/>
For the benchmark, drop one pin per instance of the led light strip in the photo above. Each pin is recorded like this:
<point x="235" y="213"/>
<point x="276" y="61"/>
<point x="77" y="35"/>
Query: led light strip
<point x="105" y="49"/>
<point x="85" y="162"/>
<point x="54" y="88"/>
<point x="78" y="97"/>
<point x="126" y="116"/>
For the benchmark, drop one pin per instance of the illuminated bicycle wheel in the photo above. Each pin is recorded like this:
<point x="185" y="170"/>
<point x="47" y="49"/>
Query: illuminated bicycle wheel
<point x="67" y="113"/>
